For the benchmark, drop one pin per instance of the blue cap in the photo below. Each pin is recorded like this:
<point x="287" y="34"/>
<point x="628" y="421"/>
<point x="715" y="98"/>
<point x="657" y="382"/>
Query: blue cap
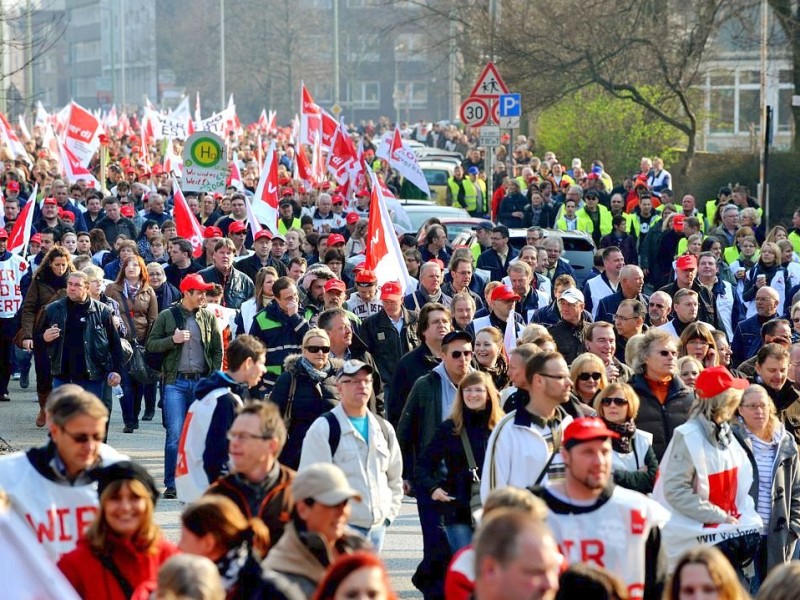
<point x="473" y="171"/>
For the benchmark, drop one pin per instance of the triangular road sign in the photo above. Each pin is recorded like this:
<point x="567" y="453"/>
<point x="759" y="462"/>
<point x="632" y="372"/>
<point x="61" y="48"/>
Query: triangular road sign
<point x="489" y="84"/>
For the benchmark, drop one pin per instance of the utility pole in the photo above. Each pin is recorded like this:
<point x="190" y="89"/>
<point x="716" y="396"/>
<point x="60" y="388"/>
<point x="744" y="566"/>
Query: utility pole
<point x="765" y="120"/>
<point x="336" y="83"/>
<point x="221" y="55"/>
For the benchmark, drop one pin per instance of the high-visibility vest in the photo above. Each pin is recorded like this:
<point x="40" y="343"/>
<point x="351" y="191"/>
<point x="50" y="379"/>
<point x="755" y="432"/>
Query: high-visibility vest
<point x="794" y="237"/>
<point x="470" y="194"/>
<point x="584" y="223"/>
<point x="605" y="219"/>
<point x="283" y="229"/>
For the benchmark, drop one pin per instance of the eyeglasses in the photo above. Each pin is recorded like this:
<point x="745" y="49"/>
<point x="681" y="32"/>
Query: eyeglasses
<point x="314" y="349"/>
<point x="244" y="436"/>
<point x="365" y="283"/>
<point x="795" y="319"/>
<point x="755" y="407"/>
<point x="666" y="353"/>
<point x="82" y="438"/>
<point x="587" y="376"/>
<point x="460" y="353"/>
<point x="549" y="376"/>
<point x="614" y="401"/>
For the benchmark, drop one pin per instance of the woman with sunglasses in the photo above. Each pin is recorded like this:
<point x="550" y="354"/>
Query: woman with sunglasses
<point x="490" y="356"/>
<point x="795" y="318"/>
<point x="476" y="412"/>
<point x="588" y="375"/>
<point x="633" y="461"/>
<point x="664" y="399"/>
<point x="305" y="390"/>
<point x="774" y="458"/>
<point x="698" y="342"/>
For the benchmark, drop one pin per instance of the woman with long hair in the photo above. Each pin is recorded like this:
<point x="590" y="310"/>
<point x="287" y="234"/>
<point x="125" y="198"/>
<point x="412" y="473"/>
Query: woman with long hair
<point x="139" y="305"/>
<point x="262" y="295"/>
<point x="704" y="572"/>
<point x="214" y="527"/>
<point x="476" y="411"/>
<point x="123" y="547"/>
<point x="490" y="356"/>
<point x="150" y="230"/>
<point x="49" y="283"/>
<point x="357" y="243"/>
<point x="698" y="342"/>
<point x="634" y="463"/>
<point x="773" y="455"/>
<point x="588" y="374"/>
<point x="357" y="575"/>
<point x="100" y="248"/>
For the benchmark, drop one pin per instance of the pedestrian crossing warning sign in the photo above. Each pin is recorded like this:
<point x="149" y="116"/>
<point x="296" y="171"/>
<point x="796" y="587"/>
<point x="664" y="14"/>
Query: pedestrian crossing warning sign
<point x="489" y="84"/>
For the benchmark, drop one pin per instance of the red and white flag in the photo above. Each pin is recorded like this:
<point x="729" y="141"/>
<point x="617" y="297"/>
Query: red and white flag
<point x="42" y="118"/>
<point x="265" y="200"/>
<point x="82" y="131"/>
<point x="20" y="234"/>
<point x="262" y="122"/>
<point x="234" y="175"/>
<point x="23" y="129"/>
<point x="317" y="162"/>
<point x="186" y="224"/>
<point x="342" y="155"/>
<point x="384" y="256"/>
<point x="50" y="141"/>
<point x="9" y="138"/>
<point x="402" y="158"/>
<point x="329" y="127"/>
<point x="72" y="168"/>
<point x="310" y="118"/>
<point x="302" y="168"/>
<point x="272" y="123"/>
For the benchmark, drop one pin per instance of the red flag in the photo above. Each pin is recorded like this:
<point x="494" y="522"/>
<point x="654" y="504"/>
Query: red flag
<point x="234" y="175"/>
<point x="265" y="200"/>
<point x="186" y="223"/>
<point x="20" y="234"/>
<point x="310" y="118"/>
<point x="329" y="128"/>
<point x="303" y="167"/>
<point x="384" y="256"/>
<point x="342" y="155"/>
<point x="73" y="169"/>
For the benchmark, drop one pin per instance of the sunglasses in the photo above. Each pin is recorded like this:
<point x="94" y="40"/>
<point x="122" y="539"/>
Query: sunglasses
<point x="614" y="401"/>
<point x="315" y="349"/>
<point x="82" y="438"/>
<point x="460" y="353"/>
<point x="588" y="376"/>
<point x="666" y="353"/>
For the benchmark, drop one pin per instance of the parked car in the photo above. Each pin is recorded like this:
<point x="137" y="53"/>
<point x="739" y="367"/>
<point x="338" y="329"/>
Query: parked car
<point x="437" y="172"/>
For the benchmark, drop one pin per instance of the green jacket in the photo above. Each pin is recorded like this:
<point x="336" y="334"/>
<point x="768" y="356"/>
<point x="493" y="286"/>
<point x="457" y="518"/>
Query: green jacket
<point x="160" y="340"/>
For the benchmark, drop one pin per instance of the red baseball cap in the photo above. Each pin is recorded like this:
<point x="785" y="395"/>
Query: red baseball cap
<point x="366" y="276"/>
<point x="362" y="193"/>
<point x="126" y="211"/>
<point x="3" y="234"/>
<point x="677" y="222"/>
<point x="586" y="429"/>
<point x="335" y="238"/>
<point x="212" y="232"/>
<point x="337" y="199"/>
<point x="237" y="227"/>
<point x="712" y="381"/>
<point x="264" y="233"/>
<point x="36" y="238"/>
<point x="157" y="170"/>
<point x="326" y="185"/>
<point x="501" y="292"/>
<point x="50" y="202"/>
<point x="391" y="290"/>
<point x="686" y="262"/>
<point x="13" y="186"/>
<point x="335" y="284"/>
<point x="66" y="214"/>
<point x="195" y="282"/>
<point x="352" y="218"/>
<point x="287" y="192"/>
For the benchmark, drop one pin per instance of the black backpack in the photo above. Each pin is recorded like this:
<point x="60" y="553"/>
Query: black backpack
<point x="335" y="430"/>
<point x="155" y="360"/>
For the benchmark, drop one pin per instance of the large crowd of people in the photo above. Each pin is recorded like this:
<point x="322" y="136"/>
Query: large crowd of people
<point x="629" y="432"/>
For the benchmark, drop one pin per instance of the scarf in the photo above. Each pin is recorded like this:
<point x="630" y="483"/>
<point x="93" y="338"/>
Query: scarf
<point x="313" y="373"/>
<point x="231" y="564"/>
<point x="129" y="290"/>
<point x="623" y="445"/>
<point x="437" y="297"/>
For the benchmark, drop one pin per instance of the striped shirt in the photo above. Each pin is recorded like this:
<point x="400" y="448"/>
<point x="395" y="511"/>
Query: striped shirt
<point x="764" y="453"/>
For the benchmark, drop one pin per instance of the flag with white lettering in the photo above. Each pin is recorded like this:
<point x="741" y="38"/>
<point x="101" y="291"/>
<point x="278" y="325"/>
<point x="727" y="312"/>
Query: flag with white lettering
<point x="310" y="118"/>
<point x="20" y="234"/>
<point x="402" y="158"/>
<point x="73" y="170"/>
<point x="186" y="223"/>
<point x="82" y="131"/>
<point x="265" y="200"/>
<point x="342" y="154"/>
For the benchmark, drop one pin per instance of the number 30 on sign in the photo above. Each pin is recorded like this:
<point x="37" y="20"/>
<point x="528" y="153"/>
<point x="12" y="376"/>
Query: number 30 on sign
<point x="474" y="112"/>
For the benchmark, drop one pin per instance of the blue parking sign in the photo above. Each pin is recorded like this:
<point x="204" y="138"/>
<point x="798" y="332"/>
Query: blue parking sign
<point x="510" y="105"/>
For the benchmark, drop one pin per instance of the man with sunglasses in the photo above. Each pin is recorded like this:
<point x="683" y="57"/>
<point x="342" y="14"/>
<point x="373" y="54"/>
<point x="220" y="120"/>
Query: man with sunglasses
<point x="429" y="403"/>
<point x="367" y="451"/>
<point x="659" y="309"/>
<point x="50" y="486"/>
<point x="595" y="521"/>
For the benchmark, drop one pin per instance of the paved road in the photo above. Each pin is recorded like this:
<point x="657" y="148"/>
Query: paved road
<point x="403" y="547"/>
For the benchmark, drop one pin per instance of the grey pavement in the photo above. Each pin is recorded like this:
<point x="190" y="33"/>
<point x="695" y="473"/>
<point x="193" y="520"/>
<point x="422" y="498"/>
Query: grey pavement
<point x="403" y="547"/>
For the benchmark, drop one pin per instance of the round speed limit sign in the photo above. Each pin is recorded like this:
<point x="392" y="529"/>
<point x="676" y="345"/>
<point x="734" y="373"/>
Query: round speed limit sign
<point x="474" y="112"/>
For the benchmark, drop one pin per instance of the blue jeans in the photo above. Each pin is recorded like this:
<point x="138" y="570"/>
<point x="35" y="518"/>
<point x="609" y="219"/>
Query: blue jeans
<point x="375" y="534"/>
<point x="178" y="397"/>
<point x="458" y="536"/>
<point x="95" y="387"/>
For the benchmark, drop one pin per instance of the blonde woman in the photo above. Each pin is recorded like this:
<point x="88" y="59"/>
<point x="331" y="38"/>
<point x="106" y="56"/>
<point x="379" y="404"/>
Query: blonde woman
<point x="689" y="369"/>
<point x="776" y="491"/>
<point x="476" y="412"/>
<point x="588" y="374"/>
<point x="633" y="461"/>
<point x="706" y="476"/>
<point x="123" y="547"/>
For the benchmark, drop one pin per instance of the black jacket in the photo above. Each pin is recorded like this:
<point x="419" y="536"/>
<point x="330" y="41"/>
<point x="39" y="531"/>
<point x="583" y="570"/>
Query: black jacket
<point x="660" y="420"/>
<point x="448" y="448"/>
<point x="490" y="261"/>
<point x="310" y="401"/>
<point x="569" y="339"/>
<point x="102" y="350"/>
<point x="422" y="416"/>
<point x="251" y="265"/>
<point x="707" y="309"/>
<point x="238" y="286"/>
<point x="413" y="365"/>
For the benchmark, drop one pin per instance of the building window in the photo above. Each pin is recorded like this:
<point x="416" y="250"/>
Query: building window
<point x="84" y="86"/>
<point x="411" y="94"/>
<point x="722" y="101"/>
<point x="363" y="48"/>
<point x="85" y="51"/>
<point x="784" y="118"/>
<point x="321" y="91"/>
<point x="409" y="47"/>
<point x="365" y="94"/>
<point x="85" y="15"/>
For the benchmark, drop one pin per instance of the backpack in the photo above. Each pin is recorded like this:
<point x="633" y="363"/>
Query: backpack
<point x="335" y="430"/>
<point x="155" y="360"/>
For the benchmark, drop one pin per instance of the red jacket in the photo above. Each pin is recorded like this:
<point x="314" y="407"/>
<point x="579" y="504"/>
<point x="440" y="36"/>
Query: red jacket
<point x="93" y="581"/>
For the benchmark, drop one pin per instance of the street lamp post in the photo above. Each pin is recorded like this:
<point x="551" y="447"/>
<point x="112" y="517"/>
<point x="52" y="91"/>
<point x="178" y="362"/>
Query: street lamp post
<point x="222" y="55"/>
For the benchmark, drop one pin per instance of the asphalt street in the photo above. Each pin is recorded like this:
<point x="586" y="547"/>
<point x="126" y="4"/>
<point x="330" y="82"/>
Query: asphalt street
<point x="402" y="549"/>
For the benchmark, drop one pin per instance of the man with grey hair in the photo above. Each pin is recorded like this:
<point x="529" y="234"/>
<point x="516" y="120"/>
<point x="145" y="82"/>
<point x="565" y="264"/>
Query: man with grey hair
<point x="323" y="217"/>
<point x="556" y="265"/>
<point x="429" y="289"/>
<point x="726" y="232"/>
<point x="155" y="209"/>
<point x="50" y="487"/>
<point x="631" y="283"/>
<point x="659" y="308"/>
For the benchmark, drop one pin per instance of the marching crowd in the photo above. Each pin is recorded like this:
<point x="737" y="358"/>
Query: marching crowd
<point x="627" y="433"/>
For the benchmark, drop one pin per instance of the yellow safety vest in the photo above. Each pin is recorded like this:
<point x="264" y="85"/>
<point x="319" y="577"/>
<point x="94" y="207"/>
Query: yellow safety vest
<point x="605" y="219"/>
<point x="584" y="223"/>
<point x="283" y="229"/>
<point x="470" y="196"/>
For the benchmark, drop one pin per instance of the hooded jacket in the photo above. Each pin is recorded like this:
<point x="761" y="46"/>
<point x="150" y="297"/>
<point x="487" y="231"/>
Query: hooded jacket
<point x="660" y="420"/>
